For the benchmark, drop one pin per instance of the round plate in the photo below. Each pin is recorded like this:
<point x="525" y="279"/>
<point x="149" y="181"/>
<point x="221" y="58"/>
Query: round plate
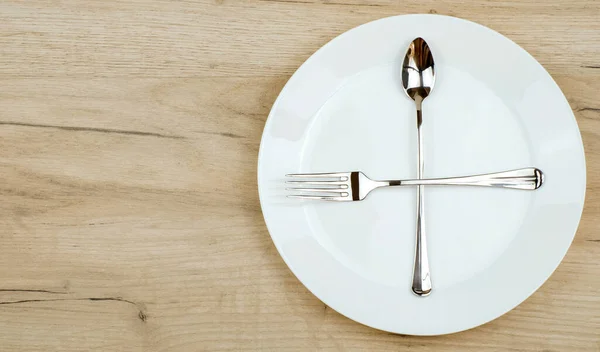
<point x="493" y="108"/>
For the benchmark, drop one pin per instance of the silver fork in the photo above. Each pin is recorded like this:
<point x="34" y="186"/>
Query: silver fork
<point x="355" y="186"/>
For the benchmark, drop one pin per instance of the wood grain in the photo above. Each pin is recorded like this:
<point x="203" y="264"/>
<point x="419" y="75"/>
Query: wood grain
<point x="129" y="135"/>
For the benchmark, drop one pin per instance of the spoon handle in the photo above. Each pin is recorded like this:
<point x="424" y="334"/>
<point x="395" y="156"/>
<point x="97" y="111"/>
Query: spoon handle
<point x="421" y="284"/>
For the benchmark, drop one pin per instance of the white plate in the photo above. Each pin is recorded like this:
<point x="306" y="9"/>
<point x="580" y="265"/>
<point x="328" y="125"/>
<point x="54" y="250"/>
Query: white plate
<point x="493" y="108"/>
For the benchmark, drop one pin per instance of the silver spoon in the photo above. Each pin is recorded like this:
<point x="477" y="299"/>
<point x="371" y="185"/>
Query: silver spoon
<point x="417" y="79"/>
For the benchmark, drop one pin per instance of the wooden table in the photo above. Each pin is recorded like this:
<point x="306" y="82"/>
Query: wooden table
<point x="129" y="133"/>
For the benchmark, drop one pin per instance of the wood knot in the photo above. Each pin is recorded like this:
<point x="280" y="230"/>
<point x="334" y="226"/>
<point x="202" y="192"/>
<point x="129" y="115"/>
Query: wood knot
<point x="143" y="317"/>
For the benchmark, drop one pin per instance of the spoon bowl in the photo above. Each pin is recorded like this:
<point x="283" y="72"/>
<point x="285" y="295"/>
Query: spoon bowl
<point x="418" y="72"/>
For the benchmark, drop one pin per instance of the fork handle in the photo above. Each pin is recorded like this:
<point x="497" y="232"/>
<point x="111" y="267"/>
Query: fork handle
<point x="529" y="178"/>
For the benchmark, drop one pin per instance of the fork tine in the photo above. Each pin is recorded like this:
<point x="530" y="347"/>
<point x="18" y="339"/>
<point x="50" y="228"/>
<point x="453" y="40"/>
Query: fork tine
<point x="316" y="183"/>
<point x="340" y="191"/>
<point x="320" y="175"/>
<point x="338" y="199"/>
